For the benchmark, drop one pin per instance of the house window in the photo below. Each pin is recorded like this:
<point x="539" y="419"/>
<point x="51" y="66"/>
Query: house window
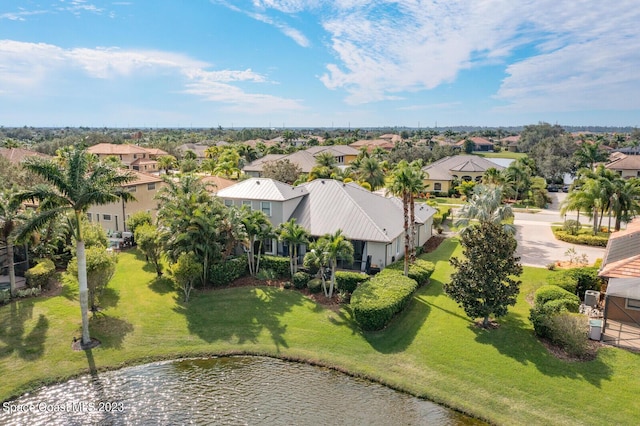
<point x="106" y="217"/>
<point x="228" y="203"/>
<point x="135" y="155"/>
<point x="151" y="186"/>
<point x="132" y="188"/>
<point x="247" y="203"/>
<point x="437" y="186"/>
<point x="265" y="206"/>
<point x="267" y="245"/>
<point x="89" y="216"/>
<point x="632" y="304"/>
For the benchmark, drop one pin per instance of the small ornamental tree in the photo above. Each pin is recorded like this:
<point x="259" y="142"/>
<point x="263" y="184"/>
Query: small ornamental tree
<point x="186" y="271"/>
<point x="482" y="283"/>
<point x="149" y="242"/>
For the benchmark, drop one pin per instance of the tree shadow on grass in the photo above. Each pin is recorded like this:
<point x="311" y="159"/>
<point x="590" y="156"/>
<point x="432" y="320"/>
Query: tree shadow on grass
<point x="111" y="331"/>
<point x="516" y="341"/>
<point x="109" y="298"/>
<point x="162" y="285"/>
<point x="15" y="320"/>
<point x="402" y="329"/>
<point x="239" y="315"/>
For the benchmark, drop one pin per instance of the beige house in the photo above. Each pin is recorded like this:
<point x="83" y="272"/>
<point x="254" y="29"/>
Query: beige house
<point x="442" y="173"/>
<point x="627" y="166"/>
<point x="113" y="216"/>
<point x="133" y="156"/>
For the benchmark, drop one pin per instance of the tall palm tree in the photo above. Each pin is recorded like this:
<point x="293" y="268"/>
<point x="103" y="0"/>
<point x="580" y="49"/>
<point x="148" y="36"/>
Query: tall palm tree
<point x="589" y="154"/>
<point x="10" y="218"/>
<point x="74" y="183"/>
<point x="405" y="182"/>
<point x="167" y="162"/>
<point x="191" y="220"/>
<point x="336" y="247"/>
<point x="371" y="172"/>
<point x="294" y="234"/>
<point x="486" y="206"/>
<point x="625" y="200"/>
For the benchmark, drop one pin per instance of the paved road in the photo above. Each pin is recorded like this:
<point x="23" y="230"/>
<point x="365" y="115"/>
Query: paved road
<point x="537" y="245"/>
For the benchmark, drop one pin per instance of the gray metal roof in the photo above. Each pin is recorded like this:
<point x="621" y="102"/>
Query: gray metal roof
<point x="441" y="169"/>
<point x="624" y="287"/>
<point x="262" y="189"/>
<point x="361" y="214"/>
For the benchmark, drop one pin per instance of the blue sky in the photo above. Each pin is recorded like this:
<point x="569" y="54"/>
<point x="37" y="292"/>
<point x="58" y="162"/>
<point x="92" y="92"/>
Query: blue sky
<point x="318" y="63"/>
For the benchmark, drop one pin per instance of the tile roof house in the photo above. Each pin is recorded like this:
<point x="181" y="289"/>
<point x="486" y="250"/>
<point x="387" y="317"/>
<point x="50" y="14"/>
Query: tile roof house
<point x="480" y="144"/>
<point x="373" y="223"/>
<point x="627" y="166"/>
<point x="305" y="159"/>
<point x="133" y="156"/>
<point x="18" y="155"/>
<point x="113" y="216"/>
<point x="442" y="173"/>
<point x="621" y="265"/>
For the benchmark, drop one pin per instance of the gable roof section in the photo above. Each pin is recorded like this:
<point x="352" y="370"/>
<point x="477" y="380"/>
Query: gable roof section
<point x="629" y="162"/>
<point x="303" y="159"/>
<point x="262" y="189"/>
<point x="441" y="169"/>
<point x="142" y="178"/>
<point x="115" y="149"/>
<point x="17" y="155"/>
<point x="622" y="256"/>
<point x="334" y="149"/>
<point x="361" y="214"/>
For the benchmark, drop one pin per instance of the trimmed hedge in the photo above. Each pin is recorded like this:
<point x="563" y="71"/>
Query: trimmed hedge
<point x="224" y="273"/>
<point x="300" y="280"/>
<point x="375" y="302"/>
<point x="578" y="280"/>
<point x="587" y="240"/>
<point x="420" y="271"/>
<point x="41" y="274"/>
<point x="349" y="281"/>
<point x="547" y="293"/>
<point x="280" y="265"/>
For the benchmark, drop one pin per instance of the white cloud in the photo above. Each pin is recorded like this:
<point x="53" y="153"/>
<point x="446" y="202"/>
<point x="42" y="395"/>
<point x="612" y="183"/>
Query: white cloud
<point x="576" y="53"/>
<point x="32" y="66"/>
<point x="20" y="15"/>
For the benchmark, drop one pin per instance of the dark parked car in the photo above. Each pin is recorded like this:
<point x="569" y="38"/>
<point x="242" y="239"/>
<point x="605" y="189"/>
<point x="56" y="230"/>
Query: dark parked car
<point x="565" y="188"/>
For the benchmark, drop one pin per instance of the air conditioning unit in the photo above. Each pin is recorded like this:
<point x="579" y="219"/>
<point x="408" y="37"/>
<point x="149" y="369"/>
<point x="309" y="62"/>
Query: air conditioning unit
<point x="591" y="298"/>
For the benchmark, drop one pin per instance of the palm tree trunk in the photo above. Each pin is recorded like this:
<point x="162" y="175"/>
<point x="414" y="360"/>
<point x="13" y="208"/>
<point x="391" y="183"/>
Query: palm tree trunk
<point x="295" y="261"/>
<point x="12" y="271"/>
<point x="258" y="259"/>
<point x="84" y="291"/>
<point x="333" y="278"/>
<point x="412" y="219"/>
<point x="595" y="220"/>
<point x="405" y="203"/>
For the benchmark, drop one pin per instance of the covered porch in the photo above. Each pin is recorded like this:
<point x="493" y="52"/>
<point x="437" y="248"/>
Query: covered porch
<point x="621" y="325"/>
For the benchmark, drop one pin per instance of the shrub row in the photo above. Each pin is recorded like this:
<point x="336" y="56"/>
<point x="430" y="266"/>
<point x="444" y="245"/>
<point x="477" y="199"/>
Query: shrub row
<point x="548" y="293"/>
<point x="280" y="265"/>
<point x="221" y="274"/>
<point x="553" y="317"/>
<point x="5" y="295"/>
<point x="349" y="281"/>
<point x="315" y="285"/>
<point x="587" y="240"/>
<point x="420" y="271"/>
<point x="41" y="274"/>
<point x="577" y="280"/>
<point x="376" y="301"/>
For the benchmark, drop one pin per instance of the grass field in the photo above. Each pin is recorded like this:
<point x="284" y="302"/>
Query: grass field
<point x="501" y="154"/>
<point x="431" y="350"/>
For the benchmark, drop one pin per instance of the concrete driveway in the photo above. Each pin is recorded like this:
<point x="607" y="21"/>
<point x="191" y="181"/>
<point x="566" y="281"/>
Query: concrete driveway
<point x="537" y="246"/>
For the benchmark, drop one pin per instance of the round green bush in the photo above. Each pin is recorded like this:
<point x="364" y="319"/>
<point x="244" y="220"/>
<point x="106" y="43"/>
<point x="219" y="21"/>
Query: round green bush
<point x="315" y="285"/>
<point x="547" y="293"/>
<point x="300" y="280"/>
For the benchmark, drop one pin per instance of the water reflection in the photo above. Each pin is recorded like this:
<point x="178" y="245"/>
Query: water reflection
<point x="230" y="390"/>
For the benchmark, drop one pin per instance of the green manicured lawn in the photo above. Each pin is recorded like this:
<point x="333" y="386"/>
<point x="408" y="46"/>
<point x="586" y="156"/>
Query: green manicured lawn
<point x="501" y="154"/>
<point x="431" y="350"/>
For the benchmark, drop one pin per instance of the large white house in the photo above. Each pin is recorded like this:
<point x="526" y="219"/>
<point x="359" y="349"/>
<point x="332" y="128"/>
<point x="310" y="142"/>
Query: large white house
<point x="372" y="222"/>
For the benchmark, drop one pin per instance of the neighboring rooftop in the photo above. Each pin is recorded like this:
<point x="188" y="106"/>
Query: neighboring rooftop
<point x="17" y="155"/>
<point x="262" y="189"/>
<point x="444" y="168"/>
<point x="361" y="214"/>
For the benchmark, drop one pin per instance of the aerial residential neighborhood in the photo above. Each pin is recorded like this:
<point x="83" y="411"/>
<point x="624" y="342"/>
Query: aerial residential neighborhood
<point x="319" y="212"/>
